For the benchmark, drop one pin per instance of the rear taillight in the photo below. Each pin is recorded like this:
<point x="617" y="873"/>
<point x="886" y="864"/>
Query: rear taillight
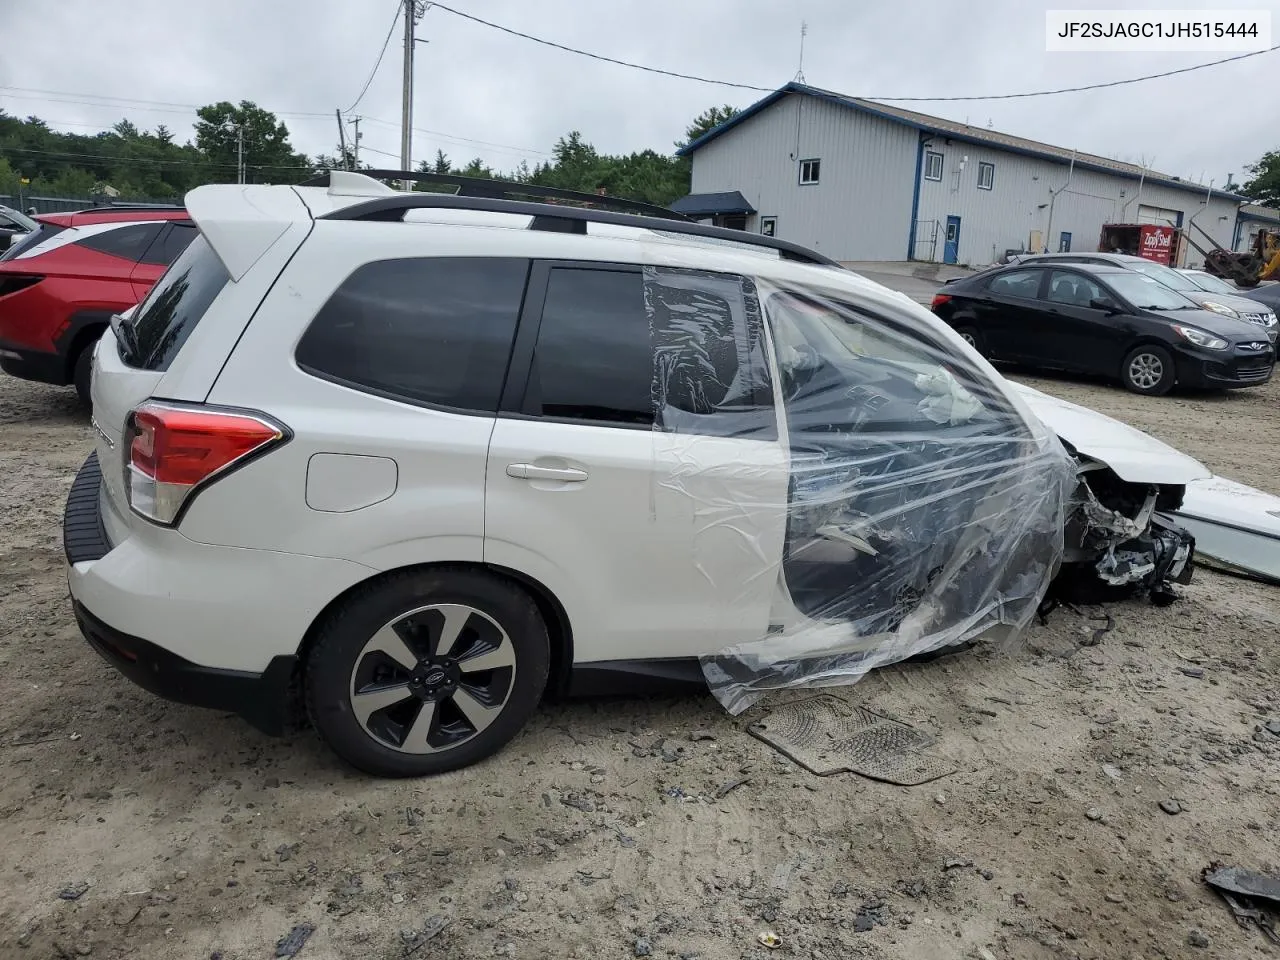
<point x="12" y="283"/>
<point x="939" y="299"/>
<point x="174" y="451"/>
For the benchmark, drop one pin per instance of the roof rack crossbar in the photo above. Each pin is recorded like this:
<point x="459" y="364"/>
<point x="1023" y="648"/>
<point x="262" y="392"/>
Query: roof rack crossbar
<point x="567" y="219"/>
<point x="484" y="187"/>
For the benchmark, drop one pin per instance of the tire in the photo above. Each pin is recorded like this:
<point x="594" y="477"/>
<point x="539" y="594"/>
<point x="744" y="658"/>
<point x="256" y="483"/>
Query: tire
<point x="1148" y="369"/>
<point x="82" y="375"/>
<point x="973" y="337"/>
<point x="437" y="715"/>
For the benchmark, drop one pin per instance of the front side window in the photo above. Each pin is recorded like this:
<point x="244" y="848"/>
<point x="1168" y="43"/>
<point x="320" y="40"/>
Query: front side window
<point x="986" y="175"/>
<point x="932" y="165"/>
<point x="174" y="306"/>
<point x="1073" y="289"/>
<point x="434" y="331"/>
<point x="1018" y="283"/>
<point x="810" y="171"/>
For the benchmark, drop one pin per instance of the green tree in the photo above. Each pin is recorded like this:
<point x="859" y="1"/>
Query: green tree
<point x="268" y="154"/>
<point x="441" y="164"/>
<point x="707" y="120"/>
<point x="1264" y="185"/>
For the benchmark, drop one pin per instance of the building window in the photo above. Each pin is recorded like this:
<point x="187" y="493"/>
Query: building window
<point x="769" y="226"/>
<point x="986" y="175"/>
<point x="932" y="166"/>
<point x="809" y="170"/>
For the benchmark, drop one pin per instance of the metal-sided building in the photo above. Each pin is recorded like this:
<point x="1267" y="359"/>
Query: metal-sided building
<point x="860" y="180"/>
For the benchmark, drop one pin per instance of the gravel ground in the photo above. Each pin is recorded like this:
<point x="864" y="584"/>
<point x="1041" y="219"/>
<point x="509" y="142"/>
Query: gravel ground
<point x="130" y="827"/>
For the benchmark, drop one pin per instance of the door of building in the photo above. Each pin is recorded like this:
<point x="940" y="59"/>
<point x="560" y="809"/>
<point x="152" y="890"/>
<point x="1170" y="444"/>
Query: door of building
<point x="1064" y="242"/>
<point x="951" y="247"/>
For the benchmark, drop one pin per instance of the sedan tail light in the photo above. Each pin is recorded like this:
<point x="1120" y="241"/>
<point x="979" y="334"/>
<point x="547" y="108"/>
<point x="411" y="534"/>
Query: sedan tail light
<point x="175" y="451"/>
<point x="939" y="299"/>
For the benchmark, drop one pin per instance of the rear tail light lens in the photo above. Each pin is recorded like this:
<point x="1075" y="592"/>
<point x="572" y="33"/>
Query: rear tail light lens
<point x="175" y="451"/>
<point x="12" y="283"/>
<point x="939" y="299"/>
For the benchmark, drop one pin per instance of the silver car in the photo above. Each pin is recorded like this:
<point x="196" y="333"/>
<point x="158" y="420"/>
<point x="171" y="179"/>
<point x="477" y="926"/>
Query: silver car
<point x="1228" y="303"/>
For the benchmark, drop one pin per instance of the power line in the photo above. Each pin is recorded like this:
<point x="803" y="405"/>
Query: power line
<point x="1091" y="86"/>
<point x="200" y="162"/>
<point x="450" y="136"/>
<point x="597" y="56"/>
<point x="377" y="63"/>
<point x="751" y="86"/>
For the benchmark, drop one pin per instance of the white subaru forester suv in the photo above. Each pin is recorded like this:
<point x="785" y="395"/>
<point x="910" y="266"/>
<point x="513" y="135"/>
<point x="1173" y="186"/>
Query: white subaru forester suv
<point x="419" y="460"/>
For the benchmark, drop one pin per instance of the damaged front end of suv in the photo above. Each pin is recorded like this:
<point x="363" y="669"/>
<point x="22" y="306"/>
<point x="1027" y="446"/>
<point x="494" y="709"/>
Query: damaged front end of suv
<point x="1119" y="541"/>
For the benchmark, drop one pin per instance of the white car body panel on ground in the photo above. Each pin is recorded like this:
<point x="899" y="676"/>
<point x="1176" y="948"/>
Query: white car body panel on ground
<point x="1234" y="525"/>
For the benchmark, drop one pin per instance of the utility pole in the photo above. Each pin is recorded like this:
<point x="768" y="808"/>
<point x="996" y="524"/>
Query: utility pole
<point x="342" y="138"/>
<point x="228" y="124"/>
<point x="406" y="118"/>
<point x="355" y="142"/>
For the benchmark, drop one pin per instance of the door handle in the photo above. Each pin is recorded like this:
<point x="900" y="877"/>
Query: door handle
<point x="531" y="471"/>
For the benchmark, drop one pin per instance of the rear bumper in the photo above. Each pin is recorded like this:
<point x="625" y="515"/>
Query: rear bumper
<point x="260" y="698"/>
<point x="28" y="364"/>
<point x="214" y="627"/>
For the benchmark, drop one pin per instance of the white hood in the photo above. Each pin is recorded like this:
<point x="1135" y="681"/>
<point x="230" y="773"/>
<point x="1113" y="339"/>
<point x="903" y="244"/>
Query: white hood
<point x="1134" y="456"/>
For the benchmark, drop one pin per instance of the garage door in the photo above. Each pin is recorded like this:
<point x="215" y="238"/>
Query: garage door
<point x="1161" y="215"/>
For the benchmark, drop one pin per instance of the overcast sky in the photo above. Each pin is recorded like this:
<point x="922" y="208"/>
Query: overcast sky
<point x="476" y="84"/>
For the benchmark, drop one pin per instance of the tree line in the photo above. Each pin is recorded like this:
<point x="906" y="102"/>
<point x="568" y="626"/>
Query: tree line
<point x="151" y="164"/>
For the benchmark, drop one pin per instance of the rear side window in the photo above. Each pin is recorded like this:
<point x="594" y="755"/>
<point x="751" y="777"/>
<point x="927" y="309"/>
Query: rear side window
<point x="170" y="244"/>
<point x="436" y="331"/>
<point x="594" y="359"/>
<point x="678" y="350"/>
<point x="128" y="242"/>
<point x="174" y="306"/>
<point x="1019" y="283"/>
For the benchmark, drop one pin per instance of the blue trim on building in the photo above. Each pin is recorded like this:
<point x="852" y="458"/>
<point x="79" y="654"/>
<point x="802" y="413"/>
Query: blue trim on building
<point x="829" y="97"/>
<point x="923" y="138"/>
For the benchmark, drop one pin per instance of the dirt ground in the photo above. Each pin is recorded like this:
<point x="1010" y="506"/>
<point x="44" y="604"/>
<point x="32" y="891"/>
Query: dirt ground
<point x="602" y="832"/>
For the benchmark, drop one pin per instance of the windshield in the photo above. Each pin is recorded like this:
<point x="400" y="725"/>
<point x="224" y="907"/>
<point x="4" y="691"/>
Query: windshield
<point x="17" y="219"/>
<point x="1158" y="271"/>
<point x="1211" y="284"/>
<point x="1146" y="293"/>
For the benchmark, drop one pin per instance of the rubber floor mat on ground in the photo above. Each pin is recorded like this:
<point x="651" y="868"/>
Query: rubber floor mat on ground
<point x="825" y="735"/>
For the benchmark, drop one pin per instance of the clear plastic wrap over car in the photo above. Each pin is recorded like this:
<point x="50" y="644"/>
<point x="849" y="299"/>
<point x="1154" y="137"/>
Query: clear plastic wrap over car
<point x="923" y="509"/>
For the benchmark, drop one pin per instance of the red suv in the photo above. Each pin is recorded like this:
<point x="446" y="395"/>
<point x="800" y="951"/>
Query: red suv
<point x="60" y="284"/>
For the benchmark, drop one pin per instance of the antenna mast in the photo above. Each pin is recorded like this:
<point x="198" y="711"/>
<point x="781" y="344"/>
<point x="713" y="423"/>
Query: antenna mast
<point x="804" y="31"/>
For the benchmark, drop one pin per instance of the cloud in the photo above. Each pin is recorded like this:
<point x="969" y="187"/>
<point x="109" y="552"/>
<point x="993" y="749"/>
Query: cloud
<point x="476" y="84"/>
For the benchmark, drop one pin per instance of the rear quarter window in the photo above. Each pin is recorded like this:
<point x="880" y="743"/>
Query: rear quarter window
<point x="434" y="331"/>
<point x="129" y="242"/>
<point x="165" y="318"/>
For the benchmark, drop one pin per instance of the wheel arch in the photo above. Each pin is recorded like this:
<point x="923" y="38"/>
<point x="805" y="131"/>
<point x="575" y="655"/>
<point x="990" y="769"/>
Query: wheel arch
<point x="83" y="328"/>
<point x="559" y="629"/>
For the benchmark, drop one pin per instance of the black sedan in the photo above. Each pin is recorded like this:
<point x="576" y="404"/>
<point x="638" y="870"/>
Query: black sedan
<point x="1091" y="318"/>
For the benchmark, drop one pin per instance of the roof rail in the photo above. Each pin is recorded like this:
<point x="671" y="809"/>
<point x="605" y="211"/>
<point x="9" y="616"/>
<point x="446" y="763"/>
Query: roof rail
<point x="484" y="187"/>
<point x="129" y="205"/>
<point x="564" y="219"/>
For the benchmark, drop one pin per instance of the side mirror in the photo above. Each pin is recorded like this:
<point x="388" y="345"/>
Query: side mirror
<point x="1105" y="304"/>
